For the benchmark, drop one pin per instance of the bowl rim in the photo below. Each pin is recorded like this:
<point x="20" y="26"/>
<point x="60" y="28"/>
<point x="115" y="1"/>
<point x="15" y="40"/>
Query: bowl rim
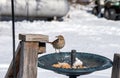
<point x="108" y="64"/>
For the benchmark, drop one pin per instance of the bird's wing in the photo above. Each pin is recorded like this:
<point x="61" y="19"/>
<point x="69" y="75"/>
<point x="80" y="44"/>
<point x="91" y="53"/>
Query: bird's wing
<point x="56" y="41"/>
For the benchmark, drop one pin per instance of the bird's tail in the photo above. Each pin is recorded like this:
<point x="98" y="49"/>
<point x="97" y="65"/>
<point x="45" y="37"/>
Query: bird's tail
<point x="49" y="42"/>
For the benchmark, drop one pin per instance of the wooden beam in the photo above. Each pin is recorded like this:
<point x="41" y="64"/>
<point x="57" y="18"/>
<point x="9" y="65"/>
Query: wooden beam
<point x="28" y="60"/>
<point x="33" y="37"/>
<point x="9" y="73"/>
<point x="42" y="48"/>
<point x="27" y="55"/>
<point x="116" y="66"/>
<point x="42" y="39"/>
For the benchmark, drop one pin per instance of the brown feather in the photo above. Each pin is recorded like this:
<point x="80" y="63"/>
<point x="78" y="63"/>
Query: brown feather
<point x="59" y="43"/>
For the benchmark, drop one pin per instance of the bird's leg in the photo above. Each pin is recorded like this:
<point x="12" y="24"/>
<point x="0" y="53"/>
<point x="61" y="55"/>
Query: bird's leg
<point x="55" y="50"/>
<point x="59" y="50"/>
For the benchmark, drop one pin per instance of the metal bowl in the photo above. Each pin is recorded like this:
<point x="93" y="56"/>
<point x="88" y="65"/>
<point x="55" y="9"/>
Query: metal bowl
<point x="93" y="63"/>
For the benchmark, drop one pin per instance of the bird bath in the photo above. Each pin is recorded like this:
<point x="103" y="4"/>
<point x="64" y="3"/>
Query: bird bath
<point x="92" y="62"/>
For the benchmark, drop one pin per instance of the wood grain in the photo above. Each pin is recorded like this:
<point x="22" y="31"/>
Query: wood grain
<point x="28" y="60"/>
<point x="33" y="37"/>
<point x="26" y="57"/>
<point x="9" y="73"/>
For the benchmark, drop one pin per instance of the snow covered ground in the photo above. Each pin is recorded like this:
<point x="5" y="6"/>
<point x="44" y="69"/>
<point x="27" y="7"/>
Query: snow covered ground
<point x="82" y="31"/>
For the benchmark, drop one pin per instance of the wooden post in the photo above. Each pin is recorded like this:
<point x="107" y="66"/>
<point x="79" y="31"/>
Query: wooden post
<point x="27" y="55"/>
<point x="116" y="66"/>
<point x="28" y="60"/>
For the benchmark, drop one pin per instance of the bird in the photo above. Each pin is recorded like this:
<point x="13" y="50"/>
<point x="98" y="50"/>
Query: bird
<point x="59" y="43"/>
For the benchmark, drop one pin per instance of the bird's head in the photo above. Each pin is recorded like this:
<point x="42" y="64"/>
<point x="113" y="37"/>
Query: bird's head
<point x="60" y="37"/>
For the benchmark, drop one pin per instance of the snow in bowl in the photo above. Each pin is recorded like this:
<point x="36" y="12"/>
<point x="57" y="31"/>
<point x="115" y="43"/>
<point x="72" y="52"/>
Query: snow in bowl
<point x="92" y="63"/>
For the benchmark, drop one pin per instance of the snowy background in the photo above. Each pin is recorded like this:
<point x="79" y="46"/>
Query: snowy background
<point x="82" y="31"/>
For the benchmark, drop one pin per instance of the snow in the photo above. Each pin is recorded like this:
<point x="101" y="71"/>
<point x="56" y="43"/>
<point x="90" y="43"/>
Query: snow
<point x="82" y="31"/>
